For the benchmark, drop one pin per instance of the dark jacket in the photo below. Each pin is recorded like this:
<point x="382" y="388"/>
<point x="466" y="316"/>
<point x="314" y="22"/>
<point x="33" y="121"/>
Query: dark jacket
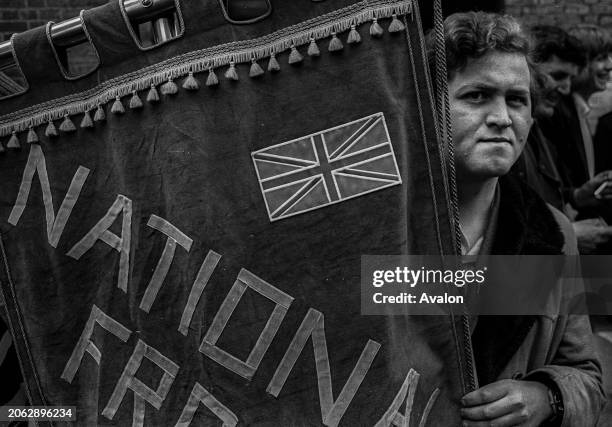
<point x="537" y="166"/>
<point x="558" y="348"/>
<point x="563" y="131"/>
<point x="602" y="143"/>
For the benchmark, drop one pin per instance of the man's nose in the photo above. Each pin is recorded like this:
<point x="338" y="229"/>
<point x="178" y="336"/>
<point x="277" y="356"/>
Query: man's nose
<point x="499" y="115"/>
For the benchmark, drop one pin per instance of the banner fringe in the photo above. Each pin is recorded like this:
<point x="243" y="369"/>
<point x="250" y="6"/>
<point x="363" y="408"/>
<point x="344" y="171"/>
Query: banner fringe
<point x="209" y="60"/>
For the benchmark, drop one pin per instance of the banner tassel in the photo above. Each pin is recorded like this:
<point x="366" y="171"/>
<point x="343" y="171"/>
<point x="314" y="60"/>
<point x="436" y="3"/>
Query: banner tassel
<point x="396" y="25"/>
<point x="295" y="57"/>
<point x="67" y="125"/>
<point x="169" y="88"/>
<point x="117" y="107"/>
<point x="273" y="64"/>
<point x="375" y="29"/>
<point x="231" y="73"/>
<point x="212" y="79"/>
<point x="152" y="96"/>
<point x="335" y="44"/>
<point x="32" y="136"/>
<point x="313" y="49"/>
<point x="86" y="122"/>
<point x="191" y="83"/>
<point x="353" y="36"/>
<point x="255" y="70"/>
<point x="50" y="131"/>
<point x="100" y="115"/>
<point x="135" y="101"/>
<point x="13" y="142"/>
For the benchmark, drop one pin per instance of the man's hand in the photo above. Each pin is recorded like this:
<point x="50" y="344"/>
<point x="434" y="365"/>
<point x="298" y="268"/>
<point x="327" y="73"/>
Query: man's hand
<point x="591" y="233"/>
<point x="506" y="403"/>
<point x="584" y="196"/>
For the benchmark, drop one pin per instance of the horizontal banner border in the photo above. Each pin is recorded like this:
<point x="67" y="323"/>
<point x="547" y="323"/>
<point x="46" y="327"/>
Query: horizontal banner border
<point x="201" y="60"/>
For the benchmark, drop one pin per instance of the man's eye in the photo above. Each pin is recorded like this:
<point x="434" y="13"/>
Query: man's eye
<point x="475" y="96"/>
<point x="601" y="57"/>
<point x="518" y="100"/>
<point x="558" y="76"/>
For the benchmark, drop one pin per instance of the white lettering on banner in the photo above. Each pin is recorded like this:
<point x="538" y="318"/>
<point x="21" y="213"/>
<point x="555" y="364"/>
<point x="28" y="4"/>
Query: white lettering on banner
<point x="142" y="393"/>
<point x="163" y="266"/>
<point x="245" y="280"/>
<point x="100" y="231"/>
<point x="85" y="344"/>
<point x="55" y="224"/>
<point x="407" y="393"/>
<point x="200" y="395"/>
<point x="206" y="270"/>
<point x="313" y="326"/>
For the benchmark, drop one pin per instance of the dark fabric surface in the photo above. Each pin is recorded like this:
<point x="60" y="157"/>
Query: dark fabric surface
<point x="9" y="366"/>
<point x="563" y="130"/>
<point x="537" y="166"/>
<point x="189" y="161"/>
<point x="602" y="143"/>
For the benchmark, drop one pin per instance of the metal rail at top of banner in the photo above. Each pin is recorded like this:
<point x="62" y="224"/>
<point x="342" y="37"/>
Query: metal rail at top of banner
<point x="70" y="32"/>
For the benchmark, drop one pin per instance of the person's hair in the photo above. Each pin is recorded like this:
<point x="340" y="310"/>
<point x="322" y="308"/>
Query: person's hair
<point x="549" y="41"/>
<point x="471" y="35"/>
<point x="594" y="39"/>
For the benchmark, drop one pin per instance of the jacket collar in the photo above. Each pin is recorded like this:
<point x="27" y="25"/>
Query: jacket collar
<point x="525" y="225"/>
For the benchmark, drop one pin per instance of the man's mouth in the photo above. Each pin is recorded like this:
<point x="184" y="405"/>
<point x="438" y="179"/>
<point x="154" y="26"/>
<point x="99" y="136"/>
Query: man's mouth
<point x="496" y="139"/>
<point x="603" y="77"/>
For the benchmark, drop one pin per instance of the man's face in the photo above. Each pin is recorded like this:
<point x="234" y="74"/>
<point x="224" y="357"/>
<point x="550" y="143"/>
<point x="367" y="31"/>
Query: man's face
<point x="595" y="75"/>
<point x="557" y="80"/>
<point x="561" y="72"/>
<point x="491" y="114"/>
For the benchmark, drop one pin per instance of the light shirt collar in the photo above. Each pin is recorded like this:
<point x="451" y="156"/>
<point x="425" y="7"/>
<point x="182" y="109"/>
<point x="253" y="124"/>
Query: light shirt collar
<point x="583" y="110"/>
<point x="581" y="105"/>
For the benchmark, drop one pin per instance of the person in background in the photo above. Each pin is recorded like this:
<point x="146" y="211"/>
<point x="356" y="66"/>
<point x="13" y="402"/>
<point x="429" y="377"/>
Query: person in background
<point x="569" y="129"/>
<point x="490" y="89"/>
<point x="558" y="57"/>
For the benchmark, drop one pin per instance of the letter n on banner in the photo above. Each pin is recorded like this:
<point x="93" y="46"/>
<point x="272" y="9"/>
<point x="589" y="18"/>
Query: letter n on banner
<point x="313" y="325"/>
<point x="200" y="394"/>
<point x="142" y="393"/>
<point x="55" y="224"/>
<point x="100" y="231"/>
<point x="85" y="344"/>
<point x="245" y="280"/>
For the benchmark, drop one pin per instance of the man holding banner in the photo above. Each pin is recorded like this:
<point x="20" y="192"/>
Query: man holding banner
<point x="532" y="369"/>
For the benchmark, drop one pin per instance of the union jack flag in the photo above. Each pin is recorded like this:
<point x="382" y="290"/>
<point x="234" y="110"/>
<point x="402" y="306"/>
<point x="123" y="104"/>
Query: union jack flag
<point x="326" y="167"/>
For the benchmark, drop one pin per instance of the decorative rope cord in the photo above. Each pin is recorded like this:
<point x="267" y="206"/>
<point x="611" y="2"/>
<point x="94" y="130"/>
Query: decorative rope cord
<point x="160" y="78"/>
<point x="443" y="109"/>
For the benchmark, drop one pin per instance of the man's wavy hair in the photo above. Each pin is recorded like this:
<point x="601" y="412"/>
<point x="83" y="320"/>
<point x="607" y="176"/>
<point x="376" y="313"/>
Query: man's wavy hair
<point x="594" y="39"/>
<point x="471" y="35"/>
<point x="552" y="41"/>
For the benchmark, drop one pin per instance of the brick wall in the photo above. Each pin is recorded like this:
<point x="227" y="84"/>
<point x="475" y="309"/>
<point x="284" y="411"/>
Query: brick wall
<point x="564" y="13"/>
<point x="20" y="15"/>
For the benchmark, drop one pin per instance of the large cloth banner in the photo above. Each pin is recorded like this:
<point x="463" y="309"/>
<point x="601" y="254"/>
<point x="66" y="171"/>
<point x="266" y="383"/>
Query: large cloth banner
<point x="183" y="228"/>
